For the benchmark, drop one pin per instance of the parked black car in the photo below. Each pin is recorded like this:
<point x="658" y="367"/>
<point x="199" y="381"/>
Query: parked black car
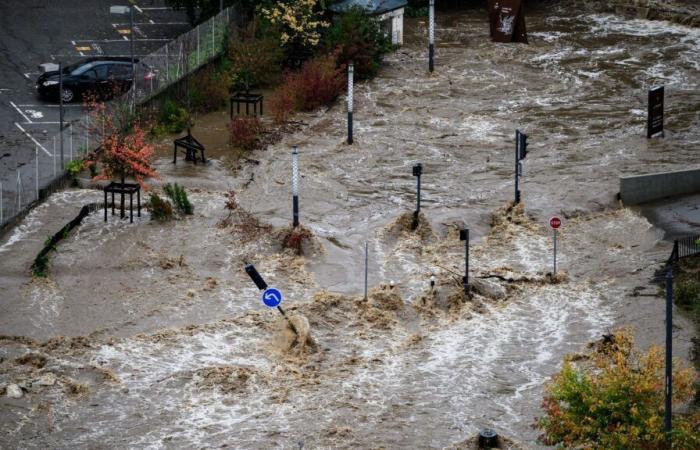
<point x="105" y="77"/>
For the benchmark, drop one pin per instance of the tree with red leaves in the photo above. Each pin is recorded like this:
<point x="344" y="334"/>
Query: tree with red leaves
<point x="124" y="150"/>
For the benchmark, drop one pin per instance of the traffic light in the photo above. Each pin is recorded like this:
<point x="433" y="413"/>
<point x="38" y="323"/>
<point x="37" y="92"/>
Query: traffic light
<point x="522" y="144"/>
<point x="418" y="170"/>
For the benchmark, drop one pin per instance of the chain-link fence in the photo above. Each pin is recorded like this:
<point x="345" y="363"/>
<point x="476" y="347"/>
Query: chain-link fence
<point x="155" y="72"/>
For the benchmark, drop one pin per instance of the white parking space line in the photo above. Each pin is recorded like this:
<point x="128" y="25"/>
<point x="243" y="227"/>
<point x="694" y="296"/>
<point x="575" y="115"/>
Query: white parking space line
<point x="88" y="41"/>
<point x="48" y="106"/>
<point x="21" y="113"/>
<point x="150" y="22"/>
<point x="152" y="8"/>
<point x="32" y="138"/>
<point x="136" y="7"/>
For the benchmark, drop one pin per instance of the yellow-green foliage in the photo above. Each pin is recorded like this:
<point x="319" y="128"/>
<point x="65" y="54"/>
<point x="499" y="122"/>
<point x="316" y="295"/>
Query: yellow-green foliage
<point x="616" y="401"/>
<point x="299" y="21"/>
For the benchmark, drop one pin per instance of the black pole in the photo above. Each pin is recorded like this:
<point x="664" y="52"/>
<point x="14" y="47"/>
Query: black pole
<point x="517" y="162"/>
<point x="60" y="108"/>
<point x="295" y="204"/>
<point x="417" y="172"/>
<point x="350" y="140"/>
<point x="669" y="354"/>
<point x="431" y="56"/>
<point x="418" y="196"/>
<point x="133" y="64"/>
<point x="464" y="236"/>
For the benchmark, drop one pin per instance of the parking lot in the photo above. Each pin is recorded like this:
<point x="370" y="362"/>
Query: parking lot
<point x="35" y="32"/>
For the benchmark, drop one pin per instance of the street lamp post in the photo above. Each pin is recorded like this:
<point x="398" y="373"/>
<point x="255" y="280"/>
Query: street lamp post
<point x="129" y="10"/>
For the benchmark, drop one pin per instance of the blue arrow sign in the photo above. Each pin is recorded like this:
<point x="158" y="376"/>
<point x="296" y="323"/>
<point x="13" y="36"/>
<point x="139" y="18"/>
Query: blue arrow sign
<point x="272" y="297"/>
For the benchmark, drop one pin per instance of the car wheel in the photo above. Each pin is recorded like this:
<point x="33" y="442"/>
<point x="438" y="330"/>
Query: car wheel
<point x="68" y="95"/>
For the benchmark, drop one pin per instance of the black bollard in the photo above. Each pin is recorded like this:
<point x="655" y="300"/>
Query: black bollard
<point x="488" y="439"/>
<point x="417" y="172"/>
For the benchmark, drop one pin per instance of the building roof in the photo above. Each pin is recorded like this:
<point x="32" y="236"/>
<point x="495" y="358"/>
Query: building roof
<point x="371" y="6"/>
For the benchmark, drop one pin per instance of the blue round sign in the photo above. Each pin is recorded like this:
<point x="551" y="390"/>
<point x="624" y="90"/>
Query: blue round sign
<point x="272" y="297"/>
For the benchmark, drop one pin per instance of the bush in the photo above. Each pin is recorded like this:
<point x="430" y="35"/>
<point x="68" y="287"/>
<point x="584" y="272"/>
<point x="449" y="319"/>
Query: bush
<point x="357" y="37"/>
<point x="245" y="132"/>
<point x="318" y="83"/>
<point x="179" y="197"/>
<point x="617" y="402"/>
<point x="73" y="169"/>
<point x="173" y="119"/>
<point x="209" y="89"/>
<point x="160" y="208"/>
<point x="255" y="59"/>
<point x="686" y="292"/>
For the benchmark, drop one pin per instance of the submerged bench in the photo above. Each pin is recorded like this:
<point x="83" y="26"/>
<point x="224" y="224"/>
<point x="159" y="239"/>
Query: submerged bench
<point x="247" y="98"/>
<point x="190" y="146"/>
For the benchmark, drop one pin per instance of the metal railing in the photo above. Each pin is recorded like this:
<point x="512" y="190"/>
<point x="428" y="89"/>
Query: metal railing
<point x="683" y="248"/>
<point x="19" y="190"/>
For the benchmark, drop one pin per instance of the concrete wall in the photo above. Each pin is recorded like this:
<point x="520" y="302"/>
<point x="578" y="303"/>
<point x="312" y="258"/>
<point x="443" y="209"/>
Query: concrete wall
<point x="645" y="188"/>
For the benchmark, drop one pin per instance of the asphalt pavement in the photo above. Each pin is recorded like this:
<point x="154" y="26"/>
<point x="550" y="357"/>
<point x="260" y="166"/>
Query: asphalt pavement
<point x="33" y="32"/>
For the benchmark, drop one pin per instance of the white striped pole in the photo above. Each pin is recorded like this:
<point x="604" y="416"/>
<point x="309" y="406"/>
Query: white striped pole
<point x="431" y="35"/>
<point x="295" y="186"/>
<point x="351" y="76"/>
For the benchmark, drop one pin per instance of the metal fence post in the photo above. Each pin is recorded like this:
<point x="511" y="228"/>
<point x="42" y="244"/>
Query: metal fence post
<point x="669" y="355"/>
<point x="71" y="141"/>
<point x="198" y="45"/>
<point x="167" y="63"/>
<point x="2" y="217"/>
<point x="366" y="267"/>
<point x="54" y="156"/>
<point x="213" y="36"/>
<point x="36" y="170"/>
<point x="19" y="191"/>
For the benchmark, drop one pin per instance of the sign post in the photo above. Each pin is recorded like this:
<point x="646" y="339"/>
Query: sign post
<point x="271" y="297"/>
<point x="655" y="112"/>
<point x="555" y="223"/>
<point x="507" y="21"/>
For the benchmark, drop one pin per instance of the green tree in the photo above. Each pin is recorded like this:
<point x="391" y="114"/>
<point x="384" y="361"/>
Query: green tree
<point x="615" y="401"/>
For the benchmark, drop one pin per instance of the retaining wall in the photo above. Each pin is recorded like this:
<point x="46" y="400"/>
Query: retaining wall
<point x="645" y="188"/>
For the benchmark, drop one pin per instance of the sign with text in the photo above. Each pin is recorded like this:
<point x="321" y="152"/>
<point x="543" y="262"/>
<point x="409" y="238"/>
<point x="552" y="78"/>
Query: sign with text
<point x="655" y="114"/>
<point x="507" y="21"/>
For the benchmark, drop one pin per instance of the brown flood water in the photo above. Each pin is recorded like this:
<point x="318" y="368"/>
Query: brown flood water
<point x="171" y="347"/>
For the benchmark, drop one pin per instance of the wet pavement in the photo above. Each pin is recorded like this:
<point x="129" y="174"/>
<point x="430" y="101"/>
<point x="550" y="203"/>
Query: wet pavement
<point x="172" y="348"/>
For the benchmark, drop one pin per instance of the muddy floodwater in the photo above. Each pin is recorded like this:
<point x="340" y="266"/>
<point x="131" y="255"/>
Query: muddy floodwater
<point x="151" y="335"/>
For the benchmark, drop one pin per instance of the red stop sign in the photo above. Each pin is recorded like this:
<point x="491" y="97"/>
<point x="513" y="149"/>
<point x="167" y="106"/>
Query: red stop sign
<point x="555" y="222"/>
